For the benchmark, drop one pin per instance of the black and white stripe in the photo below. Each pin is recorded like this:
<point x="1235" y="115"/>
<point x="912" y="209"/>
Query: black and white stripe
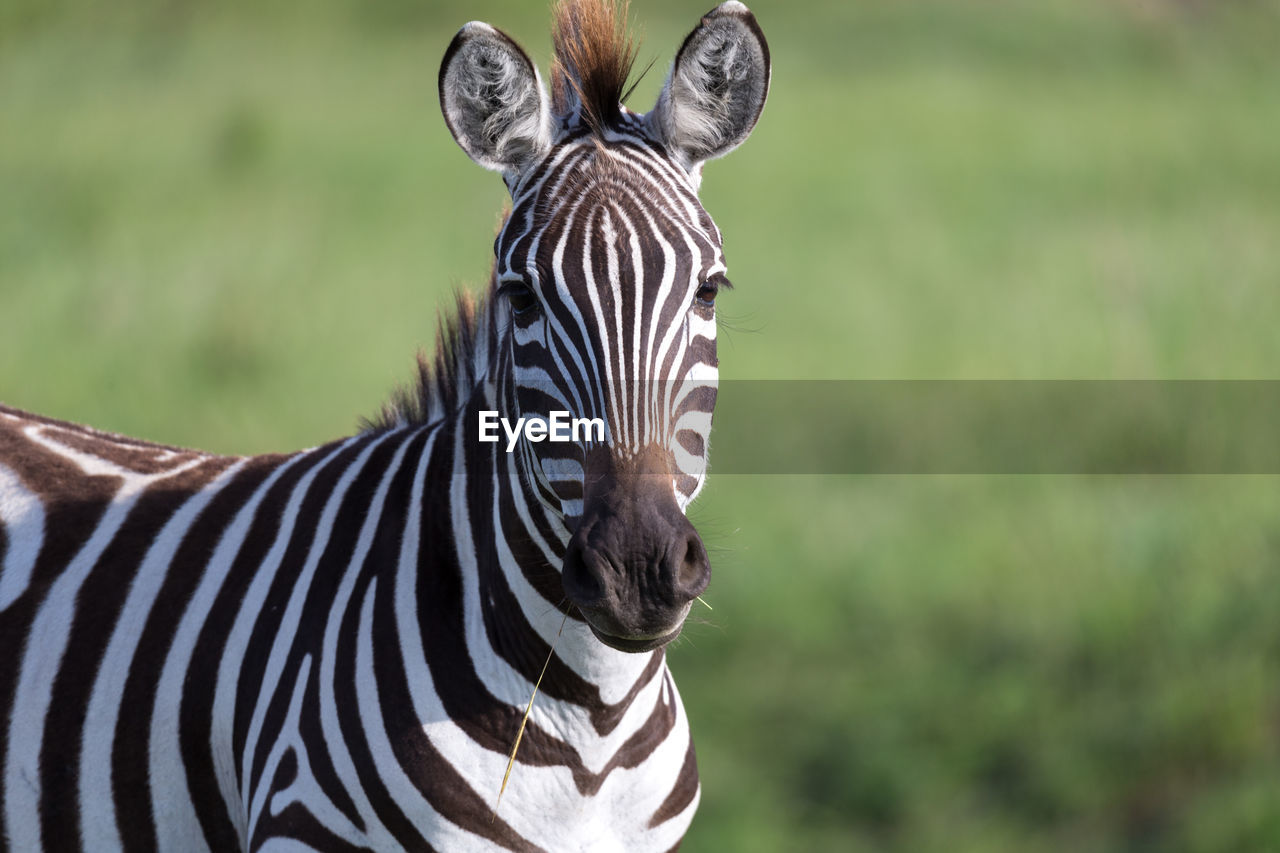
<point x="332" y="649"/>
<point x="622" y="335"/>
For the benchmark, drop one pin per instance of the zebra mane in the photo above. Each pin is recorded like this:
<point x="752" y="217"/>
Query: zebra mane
<point x="445" y="379"/>
<point x="594" y="55"/>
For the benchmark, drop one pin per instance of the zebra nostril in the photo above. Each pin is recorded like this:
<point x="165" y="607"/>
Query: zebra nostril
<point x="581" y="584"/>
<point x="695" y="569"/>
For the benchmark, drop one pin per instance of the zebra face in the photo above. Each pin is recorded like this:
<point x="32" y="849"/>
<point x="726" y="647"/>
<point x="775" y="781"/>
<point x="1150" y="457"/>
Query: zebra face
<point x="605" y="279"/>
<point x="609" y="269"/>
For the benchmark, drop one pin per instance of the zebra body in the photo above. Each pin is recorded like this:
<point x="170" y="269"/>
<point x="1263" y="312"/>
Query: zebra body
<point x="333" y="649"/>
<point x="238" y="630"/>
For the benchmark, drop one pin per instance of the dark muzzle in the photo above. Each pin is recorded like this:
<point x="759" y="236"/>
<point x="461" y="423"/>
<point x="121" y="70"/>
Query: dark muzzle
<point x="634" y="562"/>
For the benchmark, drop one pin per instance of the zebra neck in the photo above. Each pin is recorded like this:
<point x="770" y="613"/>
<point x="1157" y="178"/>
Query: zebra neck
<point x="518" y="544"/>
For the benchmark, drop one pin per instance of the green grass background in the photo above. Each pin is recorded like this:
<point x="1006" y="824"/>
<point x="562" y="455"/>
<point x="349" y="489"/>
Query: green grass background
<point x="231" y="225"/>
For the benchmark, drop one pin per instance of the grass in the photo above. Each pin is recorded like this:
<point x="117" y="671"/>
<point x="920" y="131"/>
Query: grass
<point x="985" y="663"/>
<point x="231" y="227"/>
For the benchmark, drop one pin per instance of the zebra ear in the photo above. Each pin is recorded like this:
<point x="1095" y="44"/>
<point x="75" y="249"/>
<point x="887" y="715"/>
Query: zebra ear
<point x="717" y="86"/>
<point x="493" y="100"/>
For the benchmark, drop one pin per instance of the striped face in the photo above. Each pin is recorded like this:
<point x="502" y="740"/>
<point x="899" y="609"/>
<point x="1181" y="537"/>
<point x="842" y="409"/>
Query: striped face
<point x="606" y="275"/>
<point x="608" y="269"/>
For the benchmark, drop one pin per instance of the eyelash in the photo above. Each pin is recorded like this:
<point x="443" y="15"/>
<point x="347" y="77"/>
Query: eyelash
<point x="521" y="297"/>
<point x="709" y="289"/>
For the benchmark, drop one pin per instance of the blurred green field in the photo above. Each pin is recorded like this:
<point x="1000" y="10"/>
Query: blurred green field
<point x="230" y="227"/>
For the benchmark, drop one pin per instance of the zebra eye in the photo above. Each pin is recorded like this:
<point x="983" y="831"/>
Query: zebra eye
<point x="521" y="298"/>
<point x="706" y="294"/>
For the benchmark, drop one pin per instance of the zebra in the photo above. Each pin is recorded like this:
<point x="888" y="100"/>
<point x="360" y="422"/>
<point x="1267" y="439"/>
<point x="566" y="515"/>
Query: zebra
<point x="333" y="649"/>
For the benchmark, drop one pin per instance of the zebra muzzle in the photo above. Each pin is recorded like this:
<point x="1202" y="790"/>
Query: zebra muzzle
<point x="634" y="563"/>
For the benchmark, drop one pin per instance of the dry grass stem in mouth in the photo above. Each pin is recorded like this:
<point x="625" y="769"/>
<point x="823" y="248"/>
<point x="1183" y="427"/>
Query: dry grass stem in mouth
<point x="525" y="719"/>
<point x="704" y="603"/>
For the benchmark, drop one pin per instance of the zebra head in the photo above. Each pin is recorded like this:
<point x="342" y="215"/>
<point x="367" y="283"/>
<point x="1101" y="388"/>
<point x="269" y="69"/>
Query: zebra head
<point x="605" y="279"/>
